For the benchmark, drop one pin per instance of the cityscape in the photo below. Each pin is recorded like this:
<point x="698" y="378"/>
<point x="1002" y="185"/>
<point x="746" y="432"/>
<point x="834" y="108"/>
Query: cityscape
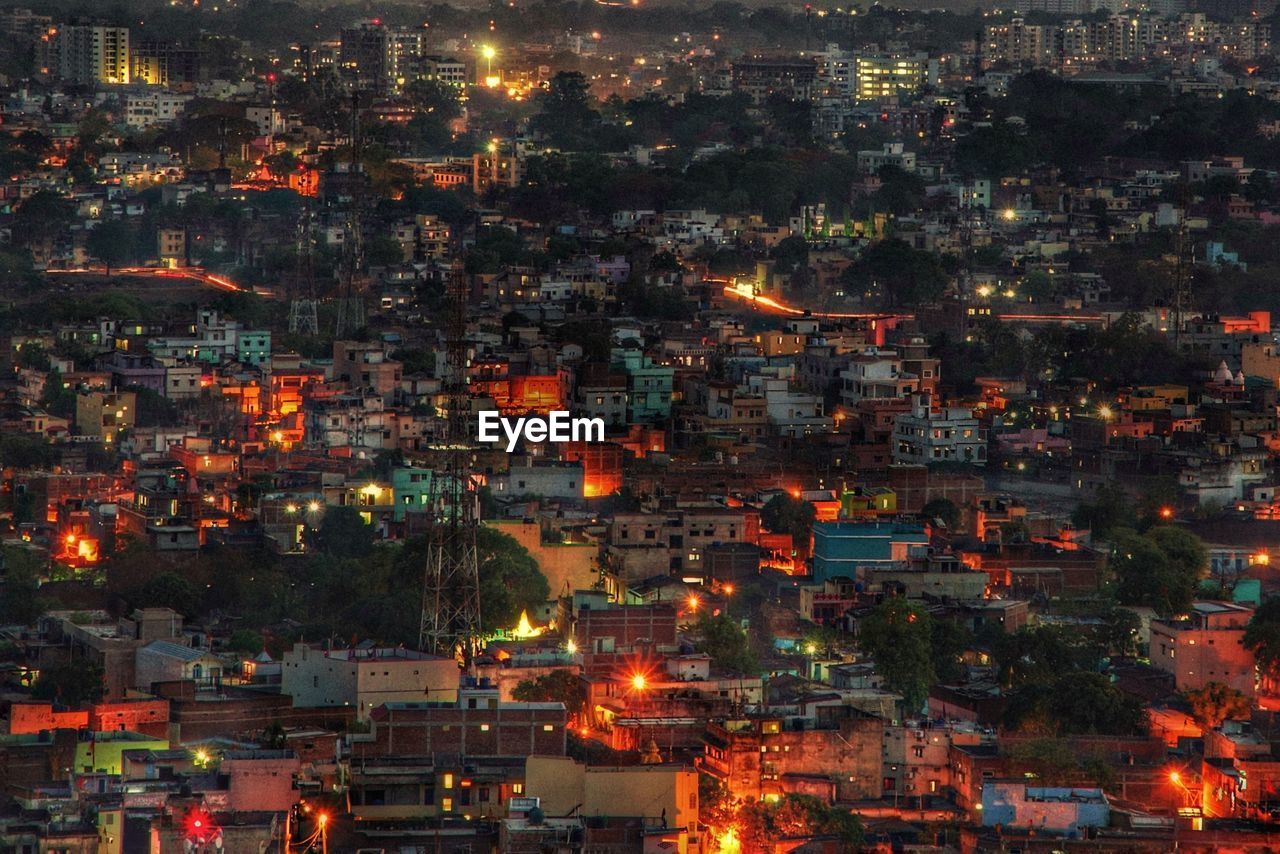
<point x="639" y="427"/>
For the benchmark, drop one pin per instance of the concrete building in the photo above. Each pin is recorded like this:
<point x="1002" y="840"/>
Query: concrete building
<point x="260" y="779"/>
<point x="1207" y="646"/>
<point x="653" y="793"/>
<point x="842" y="548"/>
<point x="924" y="436"/>
<point x="649" y="385"/>
<point x="153" y="109"/>
<point x="836" y="759"/>
<point x="1048" y="810"/>
<point x="892" y="75"/>
<point x="364" y="679"/>
<point x="88" y="55"/>
<point x="165" y="661"/>
<point x="366" y="366"/>
<point x="103" y="414"/>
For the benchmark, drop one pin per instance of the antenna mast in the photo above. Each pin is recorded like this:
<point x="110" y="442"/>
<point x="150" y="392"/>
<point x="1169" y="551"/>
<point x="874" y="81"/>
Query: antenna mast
<point x="451" y="587"/>
<point x="351" y="297"/>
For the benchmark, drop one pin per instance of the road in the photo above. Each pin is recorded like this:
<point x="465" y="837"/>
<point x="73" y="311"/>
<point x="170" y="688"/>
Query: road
<point x="195" y="274"/>
<point x="770" y="305"/>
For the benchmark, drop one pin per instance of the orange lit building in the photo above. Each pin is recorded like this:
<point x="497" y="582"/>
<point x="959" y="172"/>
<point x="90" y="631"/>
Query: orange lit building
<point x="247" y="395"/>
<point x="289" y="386"/>
<point x="522" y="394"/>
<point x="601" y="466"/>
<point x="642" y="439"/>
<point x="304" y="180"/>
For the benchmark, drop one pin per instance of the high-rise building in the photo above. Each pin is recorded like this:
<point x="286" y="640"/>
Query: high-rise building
<point x="883" y="76"/>
<point x="88" y="54"/>
<point x="379" y="57"/>
<point x="163" y="63"/>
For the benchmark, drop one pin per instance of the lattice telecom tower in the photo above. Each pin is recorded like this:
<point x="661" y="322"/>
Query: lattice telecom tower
<point x="304" y="308"/>
<point x="451" y="586"/>
<point x="350" y="301"/>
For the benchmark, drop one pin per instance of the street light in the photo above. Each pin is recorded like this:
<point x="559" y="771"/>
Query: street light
<point x="488" y="52"/>
<point x="639" y="682"/>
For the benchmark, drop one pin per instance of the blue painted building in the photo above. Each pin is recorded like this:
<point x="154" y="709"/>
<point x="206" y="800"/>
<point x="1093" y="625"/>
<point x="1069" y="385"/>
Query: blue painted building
<point x="840" y="547"/>
<point x="649" y="385"/>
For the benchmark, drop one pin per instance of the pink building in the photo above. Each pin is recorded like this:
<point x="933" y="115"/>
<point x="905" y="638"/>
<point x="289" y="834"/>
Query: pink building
<point x="1207" y="646"/>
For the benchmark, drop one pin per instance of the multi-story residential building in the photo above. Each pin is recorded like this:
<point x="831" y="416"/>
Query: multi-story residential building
<point x="951" y="434"/>
<point x="1207" y="646"/>
<point x="642" y="545"/>
<point x="876" y="375"/>
<point x="761" y="77"/>
<point x="88" y="55"/>
<point x="841" y="548"/>
<point x="385" y="58"/>
<point x="649" y="385"/>
<point x="161" y="62"/>
<point x="103" y="415"/>
<point x="837" y="758"/>
<point x="365" y="679"/>
<point x="601" y="393"/>
<point x="153" y="109"/>
<point x="891" y="75"/>
<point x="366" y="366"/>
<point x="461" y="758"/>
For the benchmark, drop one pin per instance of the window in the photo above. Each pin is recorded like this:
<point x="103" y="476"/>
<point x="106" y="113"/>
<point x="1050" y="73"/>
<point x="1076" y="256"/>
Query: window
<point x="448" y="781"/>
<point x="517" y="788"/>
<point x="446" y="804"/>
<point x="547" y="728"/>
<point x="484" y="727"/>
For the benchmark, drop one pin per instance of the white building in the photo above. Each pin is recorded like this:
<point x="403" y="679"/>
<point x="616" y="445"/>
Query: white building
<point x="366" y="678"/>
<point x="876" y="375"/>
<point x="153" y="109"/>
<point x="947" y="435"/>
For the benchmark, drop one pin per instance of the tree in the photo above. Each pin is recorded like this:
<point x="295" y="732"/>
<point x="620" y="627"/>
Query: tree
<point x="20" y="600"/>
<point x="111" y="242"/>
<point x="169" y="590"/>
<point x="510" y="580"/>
<point x="1111" y="508"/>
<point x="760" y="824"/>
<point x="784" y="514"/>
<point x="342" y="533"/>
<point x="383" y="252"/>
<point x="74" y="683"/>
<point x="44" y="216"/>
<point x="1215" y="703"/>
<point x="246" y="641"/>
<point x="566" y="116"/>
<point x="944" y="509"/>
<point x="558" y="686"/>
<point x="722" y="638"/>
<point x="1159" y="569"/>
<point x="1077" y="702"/>
<point x="1262" y="635"/>
<point x="898" y="635"/>
<point x="903" y="275"/>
